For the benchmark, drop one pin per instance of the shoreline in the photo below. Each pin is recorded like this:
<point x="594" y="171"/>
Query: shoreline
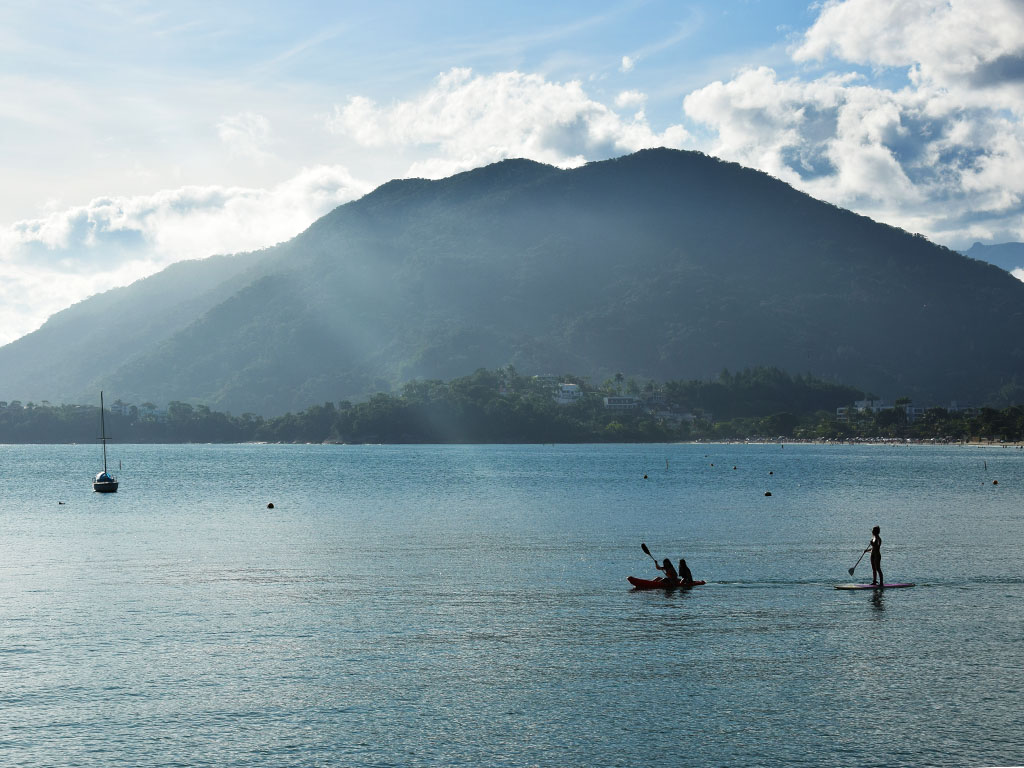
<point x="880" y="441"/>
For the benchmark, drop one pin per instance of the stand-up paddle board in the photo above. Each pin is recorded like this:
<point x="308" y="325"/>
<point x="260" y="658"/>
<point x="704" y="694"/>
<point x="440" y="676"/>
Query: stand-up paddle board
<point x="872" y="586"/>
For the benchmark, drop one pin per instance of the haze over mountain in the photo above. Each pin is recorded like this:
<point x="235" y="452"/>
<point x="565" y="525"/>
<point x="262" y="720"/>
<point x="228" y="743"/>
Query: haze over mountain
<point x="663" y="264"/>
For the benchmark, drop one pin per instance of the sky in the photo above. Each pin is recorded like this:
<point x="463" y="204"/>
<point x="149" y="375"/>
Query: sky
<point x="137" y="134"/>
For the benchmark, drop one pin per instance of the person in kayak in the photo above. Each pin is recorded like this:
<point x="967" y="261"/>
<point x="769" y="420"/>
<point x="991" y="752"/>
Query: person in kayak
<point x="876" y="555"/>
<point x="671" y="576"/>
<point x="684" y="572"/>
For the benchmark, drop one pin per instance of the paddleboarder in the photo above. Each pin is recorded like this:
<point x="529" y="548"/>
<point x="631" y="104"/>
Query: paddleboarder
<point x="669" y="570"/>
<point x="876" y="556"/>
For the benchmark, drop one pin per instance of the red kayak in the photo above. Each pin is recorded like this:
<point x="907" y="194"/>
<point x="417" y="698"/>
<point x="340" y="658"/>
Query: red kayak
<point x="660" y="583"/>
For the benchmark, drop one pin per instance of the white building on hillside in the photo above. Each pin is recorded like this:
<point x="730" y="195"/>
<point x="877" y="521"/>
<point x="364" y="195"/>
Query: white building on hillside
<point x="621" y="403"/>
<point x="568" y="394"/>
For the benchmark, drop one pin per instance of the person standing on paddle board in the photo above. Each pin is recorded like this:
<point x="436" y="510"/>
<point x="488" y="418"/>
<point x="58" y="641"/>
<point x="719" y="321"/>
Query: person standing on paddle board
<point x="670" y="572"/>
<point x="876" y="556"/>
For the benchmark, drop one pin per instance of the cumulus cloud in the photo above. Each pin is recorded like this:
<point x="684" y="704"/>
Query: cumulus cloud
<point x="472" y="120"/>
<point x="941" y="153"/>
<point x="627" y="64"/>
<point x="52" y="262"/>
<point x="949" y="43"/>
<point x="630" y="99"/>
<point x="830" y="136"/>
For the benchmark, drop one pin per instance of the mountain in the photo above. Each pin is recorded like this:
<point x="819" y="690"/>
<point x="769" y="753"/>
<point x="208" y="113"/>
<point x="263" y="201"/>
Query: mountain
<point x="1008" y="256"/>
<point x="78" y="347"/>
<point x="662" y="264"/>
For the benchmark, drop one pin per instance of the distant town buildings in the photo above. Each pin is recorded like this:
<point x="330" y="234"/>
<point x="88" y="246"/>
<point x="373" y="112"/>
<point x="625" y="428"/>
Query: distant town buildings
<point x="146" y="411"/>
<point x="651" y="401"/>
<point x="913" y="412"/>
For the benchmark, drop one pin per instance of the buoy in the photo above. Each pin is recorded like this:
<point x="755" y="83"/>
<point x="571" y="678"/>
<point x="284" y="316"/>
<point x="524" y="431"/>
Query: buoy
<point x="770" y="472"/>
<point x="734" y="467"/>
<point x="995" y="482"/>
<point x="712" y="464"/>
<point x="645" y="477"/>
<point x="767" y="493"/>
<point x="270" y="505"/>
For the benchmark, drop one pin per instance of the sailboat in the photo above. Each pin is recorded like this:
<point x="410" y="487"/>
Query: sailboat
<point x="104" y="482"/>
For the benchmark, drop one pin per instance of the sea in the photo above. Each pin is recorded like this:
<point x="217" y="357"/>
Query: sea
<point x="467" y="605"/>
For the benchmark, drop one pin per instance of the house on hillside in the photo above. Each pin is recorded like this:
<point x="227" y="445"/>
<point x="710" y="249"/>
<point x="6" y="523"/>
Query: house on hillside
<point x="568" y="394"/>
<point x="622" y="403"/>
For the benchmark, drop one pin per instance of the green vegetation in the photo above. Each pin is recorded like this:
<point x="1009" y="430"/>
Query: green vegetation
<point x="502" y="406"/>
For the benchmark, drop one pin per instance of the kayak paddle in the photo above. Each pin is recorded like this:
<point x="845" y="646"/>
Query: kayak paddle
<point x="645" y="549"/>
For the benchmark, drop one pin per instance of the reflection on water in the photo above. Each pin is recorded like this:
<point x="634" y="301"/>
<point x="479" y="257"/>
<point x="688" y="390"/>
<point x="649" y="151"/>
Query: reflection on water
<point x="878" y="599"/>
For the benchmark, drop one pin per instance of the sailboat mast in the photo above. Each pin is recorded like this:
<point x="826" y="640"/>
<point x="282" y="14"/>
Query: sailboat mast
<point x="103" y="434"/>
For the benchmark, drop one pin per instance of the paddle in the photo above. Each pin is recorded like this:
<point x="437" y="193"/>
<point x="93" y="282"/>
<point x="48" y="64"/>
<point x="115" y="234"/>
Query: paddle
<point x="645" y="549"/>
<point x="858" y="561"/>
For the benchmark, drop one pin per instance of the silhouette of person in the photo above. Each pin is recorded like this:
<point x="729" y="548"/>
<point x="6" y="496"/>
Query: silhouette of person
<point x="671" y="577"/>
<point x="684" y="572"/>
<point x="876" y="556"/>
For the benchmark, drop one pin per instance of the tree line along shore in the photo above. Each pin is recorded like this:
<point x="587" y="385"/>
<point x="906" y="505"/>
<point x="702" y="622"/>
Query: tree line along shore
<point x="502" y="406"/>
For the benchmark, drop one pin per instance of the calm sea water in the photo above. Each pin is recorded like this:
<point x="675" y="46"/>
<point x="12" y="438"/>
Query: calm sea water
<point x="467" y="606"/>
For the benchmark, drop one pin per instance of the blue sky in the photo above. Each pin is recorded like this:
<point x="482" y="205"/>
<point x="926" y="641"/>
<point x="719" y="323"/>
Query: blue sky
<point x="137" y="134"/>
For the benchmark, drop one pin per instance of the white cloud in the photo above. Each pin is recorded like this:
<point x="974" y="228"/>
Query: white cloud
<point x="627" y="64"/>
<point x="630" y="99"/>
<point x="52" y="262"/>
<point x="949" y="43"/>
<point x="942" y="153"/>
<point x="473" y="120"/>
<point x="1018" y="273"/>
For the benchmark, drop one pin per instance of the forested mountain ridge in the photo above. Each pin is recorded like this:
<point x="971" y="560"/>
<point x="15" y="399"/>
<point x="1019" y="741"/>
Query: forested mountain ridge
<point x="662" y="264"/>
